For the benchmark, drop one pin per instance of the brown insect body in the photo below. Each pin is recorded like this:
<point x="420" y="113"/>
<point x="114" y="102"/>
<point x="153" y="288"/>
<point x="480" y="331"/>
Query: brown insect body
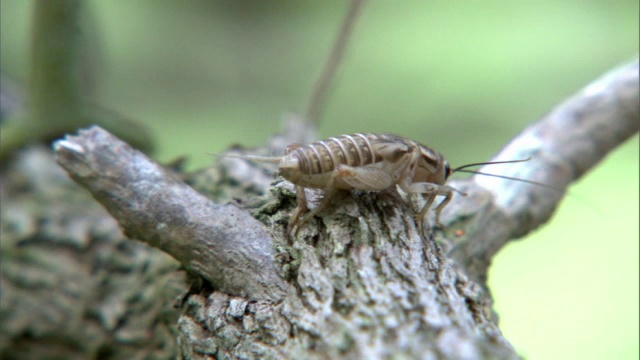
<point x="372" y="162"/>
<point x="312" y="165"/>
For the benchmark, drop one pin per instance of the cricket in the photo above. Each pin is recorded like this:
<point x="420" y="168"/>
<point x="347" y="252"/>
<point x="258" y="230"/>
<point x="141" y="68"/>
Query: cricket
<point x="370" y="162"/>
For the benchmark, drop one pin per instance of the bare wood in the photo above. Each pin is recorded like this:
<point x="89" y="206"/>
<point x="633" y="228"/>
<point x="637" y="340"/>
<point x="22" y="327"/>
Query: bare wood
<point x="222" y="243"/>
<point x="563" y="146"/>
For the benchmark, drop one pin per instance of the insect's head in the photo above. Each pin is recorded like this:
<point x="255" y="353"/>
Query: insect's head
<point x="447" y="170"/>
<point x="432" y="167"/>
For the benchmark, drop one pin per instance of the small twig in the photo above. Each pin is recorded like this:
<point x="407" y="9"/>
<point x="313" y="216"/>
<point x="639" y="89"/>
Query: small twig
<point x="563" y="146"/>
<point x="221" y="243"/>
<point x="317" y="99"/>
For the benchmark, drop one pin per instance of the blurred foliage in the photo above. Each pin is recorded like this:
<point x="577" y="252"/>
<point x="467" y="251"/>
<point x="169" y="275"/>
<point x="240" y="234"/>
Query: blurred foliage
<point x="463" y="77"/>
<point x="62" y="62"/>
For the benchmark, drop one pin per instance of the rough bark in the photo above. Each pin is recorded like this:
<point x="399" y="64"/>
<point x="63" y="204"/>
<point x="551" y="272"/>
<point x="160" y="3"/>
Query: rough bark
<point x="358" y="281"/>
<point x="563" y="146"/>
<point x="362" y="282"/>
<point x="225" y="245"/>
<point x="367" y="285"/>
<point x="71" y="285"/>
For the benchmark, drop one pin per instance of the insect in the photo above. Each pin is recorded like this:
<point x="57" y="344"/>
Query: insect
<point x="372" y="162"/>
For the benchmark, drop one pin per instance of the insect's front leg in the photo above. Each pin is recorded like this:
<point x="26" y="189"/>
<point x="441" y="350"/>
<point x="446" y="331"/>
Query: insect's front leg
<point x="431" y="191"/>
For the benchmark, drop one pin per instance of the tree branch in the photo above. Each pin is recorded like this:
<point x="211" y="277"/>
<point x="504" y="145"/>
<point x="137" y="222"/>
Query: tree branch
<point x="362" y="263"/>
<point x="221" y="243"/>
<point x="362" y="274"/>
<point x="562" y="146"/>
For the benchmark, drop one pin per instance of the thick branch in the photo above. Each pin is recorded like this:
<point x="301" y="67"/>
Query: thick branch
<point x="222" y="243"/>
<point x="562" y="146"/>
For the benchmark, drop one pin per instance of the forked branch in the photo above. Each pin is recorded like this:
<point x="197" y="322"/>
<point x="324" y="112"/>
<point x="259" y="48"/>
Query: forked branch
<point x="563" y="146"/>
<point x="234" y="252"/>
<point x="221" y="243"/>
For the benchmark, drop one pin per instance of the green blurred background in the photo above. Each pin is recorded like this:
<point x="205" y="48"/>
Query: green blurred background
<point x="462" y="77"/>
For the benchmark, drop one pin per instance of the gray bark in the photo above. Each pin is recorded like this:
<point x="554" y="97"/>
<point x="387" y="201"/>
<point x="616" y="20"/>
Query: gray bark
<point x="223" y="244"/>
<point x="362" y="282"/>
<point x="563" y="146"/>
<point x="71" y="285"/>
<point x="358" y="281"/>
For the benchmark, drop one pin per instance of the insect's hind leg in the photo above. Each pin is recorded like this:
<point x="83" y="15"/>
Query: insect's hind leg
<point x="361" y="178"/>
<point x="299" y="210"/>
<point x="326" y="200"/>
<point x="329" y="191"/>
<point x="365" y="178"/>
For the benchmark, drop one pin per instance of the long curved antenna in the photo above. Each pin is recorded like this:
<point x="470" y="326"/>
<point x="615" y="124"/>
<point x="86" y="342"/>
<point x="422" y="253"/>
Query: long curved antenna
<point x="512" y="178"/>
<point x="458" y="169"/>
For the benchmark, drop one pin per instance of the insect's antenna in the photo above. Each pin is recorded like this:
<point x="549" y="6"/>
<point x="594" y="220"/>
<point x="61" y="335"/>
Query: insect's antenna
<point x="512" y="178"/>
<point x="458" y="169"/>
<point x="463" y="167"/>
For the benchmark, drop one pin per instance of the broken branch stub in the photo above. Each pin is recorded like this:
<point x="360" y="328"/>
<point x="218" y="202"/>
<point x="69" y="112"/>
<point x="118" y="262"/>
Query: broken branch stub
<point x="221" y="243"/>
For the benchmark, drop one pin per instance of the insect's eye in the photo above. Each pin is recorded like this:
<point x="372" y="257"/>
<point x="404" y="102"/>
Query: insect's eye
<point x="447" y="170"/>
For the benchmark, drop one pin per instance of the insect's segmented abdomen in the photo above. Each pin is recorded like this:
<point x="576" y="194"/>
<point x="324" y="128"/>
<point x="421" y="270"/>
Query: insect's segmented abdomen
<point x="324" y="156"/>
